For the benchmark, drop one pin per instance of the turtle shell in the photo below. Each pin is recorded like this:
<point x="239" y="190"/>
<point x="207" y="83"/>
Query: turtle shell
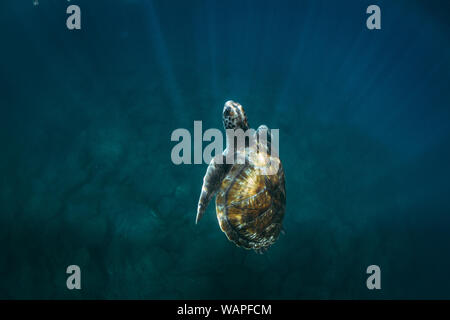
<point x="250" y="204"/>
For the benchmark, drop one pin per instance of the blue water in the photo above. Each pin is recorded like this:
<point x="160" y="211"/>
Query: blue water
<point x="86" y="118"/>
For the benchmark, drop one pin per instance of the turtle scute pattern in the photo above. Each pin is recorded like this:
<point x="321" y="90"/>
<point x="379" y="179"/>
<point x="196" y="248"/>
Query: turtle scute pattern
<point x="250" y="205"/>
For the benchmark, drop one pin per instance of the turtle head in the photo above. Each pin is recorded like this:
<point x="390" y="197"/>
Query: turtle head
<point x="234" y="116"/>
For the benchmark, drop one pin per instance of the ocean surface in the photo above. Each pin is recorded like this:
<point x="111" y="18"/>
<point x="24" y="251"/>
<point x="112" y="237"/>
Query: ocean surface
<point x="86" y="173"/>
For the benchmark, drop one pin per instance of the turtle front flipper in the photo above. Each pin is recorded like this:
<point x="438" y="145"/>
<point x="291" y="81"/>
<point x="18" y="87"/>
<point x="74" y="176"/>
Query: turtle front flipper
<point x="264" y="136"/>
<point x="211" y="183"/>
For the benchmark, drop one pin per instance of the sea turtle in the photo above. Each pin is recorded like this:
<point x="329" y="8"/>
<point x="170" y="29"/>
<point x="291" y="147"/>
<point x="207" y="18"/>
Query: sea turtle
<point x="250" y="200"/>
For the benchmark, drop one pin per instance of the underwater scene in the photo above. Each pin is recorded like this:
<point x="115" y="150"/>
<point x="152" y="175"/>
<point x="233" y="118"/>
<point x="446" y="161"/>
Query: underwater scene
<point x="87" y="177"/>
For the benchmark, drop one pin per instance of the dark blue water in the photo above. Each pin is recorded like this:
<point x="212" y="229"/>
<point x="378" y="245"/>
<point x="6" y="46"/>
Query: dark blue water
<point x="86" y="118"/>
